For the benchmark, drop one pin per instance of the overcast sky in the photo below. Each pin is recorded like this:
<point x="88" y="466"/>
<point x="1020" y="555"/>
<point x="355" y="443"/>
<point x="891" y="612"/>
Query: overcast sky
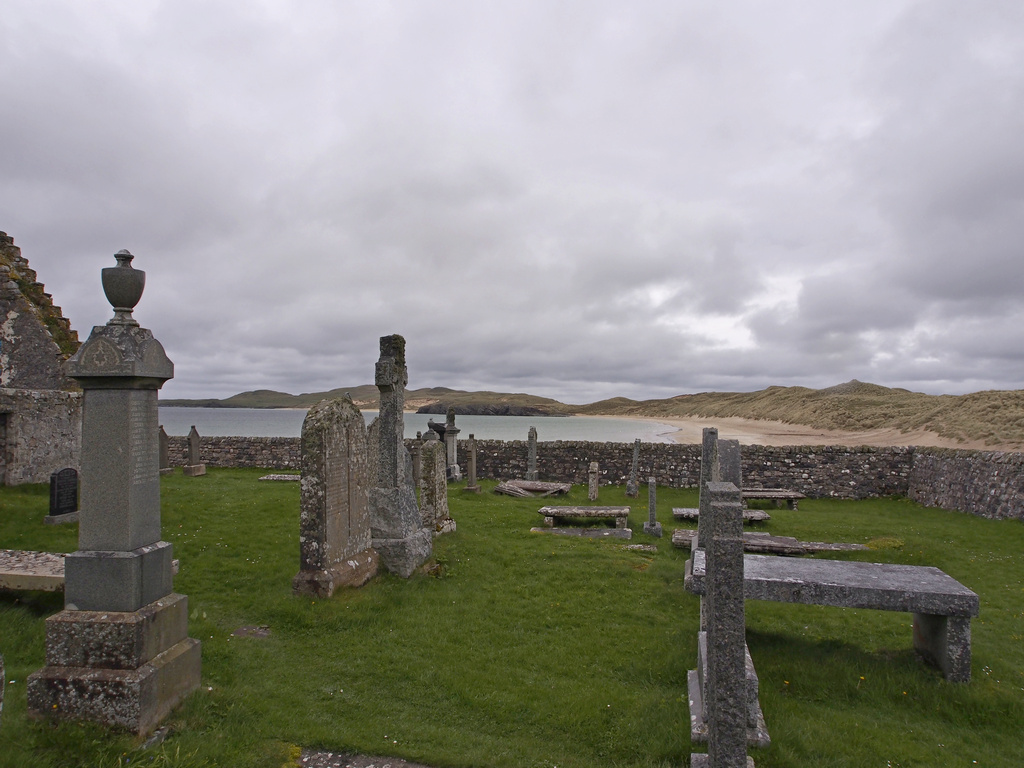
<point x="575" y="199"/>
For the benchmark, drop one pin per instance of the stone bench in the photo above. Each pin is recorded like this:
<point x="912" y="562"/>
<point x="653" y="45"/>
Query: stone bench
<point x="942" y="607"/>
<point x="620" y="515"/>
<point x="778" y="495"/>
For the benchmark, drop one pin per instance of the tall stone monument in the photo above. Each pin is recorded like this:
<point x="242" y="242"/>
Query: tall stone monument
<point x="451" y="443"/>
<point x="632" y="489"/>
<point x="334" y="517"/>
<point x="652" y="527"/>
<point x="119" y="652"/>
<point x="471" y="484"/>
<point x="593" y="476"/>
<point x="531" y="454"/>
<point x="194" y="467"/>
<point x="398" y="533"/>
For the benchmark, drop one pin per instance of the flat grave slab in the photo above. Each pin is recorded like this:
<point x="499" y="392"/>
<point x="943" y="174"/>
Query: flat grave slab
<point x="25" y="570"/>
<point x="693" y="513"/>
<point x="588" y="533"/>
<point x="766" y="543"/>
<point x="529" y="488"/>
<point x="620" y="515"/>
<point x="778" y="495"/>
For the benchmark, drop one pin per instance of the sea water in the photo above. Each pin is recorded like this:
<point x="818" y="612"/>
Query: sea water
<point x="287" y="422"/>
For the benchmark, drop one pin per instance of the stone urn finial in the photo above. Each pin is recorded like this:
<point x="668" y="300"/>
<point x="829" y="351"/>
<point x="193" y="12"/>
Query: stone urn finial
<point x="123" y="286"/>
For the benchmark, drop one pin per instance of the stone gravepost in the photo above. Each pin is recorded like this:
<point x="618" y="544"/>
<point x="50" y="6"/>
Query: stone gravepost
<point x="632" y="490"/>
<point x="434" y="489"/>
<point x="398" y="533"/>
<point x="471" y="484"/>
<point x="63" y="497"/>
<point x="725" y="689"/>
<point x="652" y="527"/>
<point x="334" y="517"/>
<point x="709" y="472"/>
<point x="451" y="433"/>
<point x="531" y="454"/>
<point x="165" y="453"/>
<point x="119" y="652"/>
<point x="194" y="468"/>
<point x="592" y="481"/>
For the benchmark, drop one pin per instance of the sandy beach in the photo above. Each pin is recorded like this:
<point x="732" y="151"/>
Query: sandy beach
<point x="757" y="432"/>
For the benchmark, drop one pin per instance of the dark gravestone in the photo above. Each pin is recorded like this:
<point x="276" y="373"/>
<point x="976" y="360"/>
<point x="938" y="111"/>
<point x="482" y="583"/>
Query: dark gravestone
<point x="63" y="496"/>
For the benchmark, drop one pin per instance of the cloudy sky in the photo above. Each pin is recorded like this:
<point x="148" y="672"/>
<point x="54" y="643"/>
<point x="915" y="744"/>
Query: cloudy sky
<point x="576" y="199"/>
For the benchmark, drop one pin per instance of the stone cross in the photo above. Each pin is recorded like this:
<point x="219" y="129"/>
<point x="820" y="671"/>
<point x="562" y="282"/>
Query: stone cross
<point x="531" y="454"/>
<point x="632" y="490"/>
<point x="434" y="490"/>
<point x="471" y="484"/>
<point x="725" y="689"/>
<point x="119" y="652"/>
<point x="652" y="526"/>
<point x="592" y="479"/>
<point x="194" y="467"/>
<point x="397" y="527"/>
<point x="334" y="516"/>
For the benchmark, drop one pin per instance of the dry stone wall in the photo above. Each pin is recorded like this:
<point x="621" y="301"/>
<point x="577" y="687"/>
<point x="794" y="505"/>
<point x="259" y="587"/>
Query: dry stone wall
<point x="984" y="483"/>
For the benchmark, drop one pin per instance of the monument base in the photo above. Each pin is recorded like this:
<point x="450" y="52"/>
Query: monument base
<point x="471" y="489"/>
<point x="445" y="526"/>
<point x="126" y="669"/>
<point x="167" y="471"/>
<point x="194" y="470"/>
<point x="353" y="572"/>
<point x="653" y="529"/>
<point x="403" y="556"/>
<point x="67" y="517"/>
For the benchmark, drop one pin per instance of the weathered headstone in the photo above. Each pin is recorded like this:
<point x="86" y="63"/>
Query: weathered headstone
<point x="194" y="467"/>
<point x="592" y="481"/>
<point x="119" y="652"/>
<point x="632" y="490"/>
<point x="63" y="496"/>
<point x="334" y="516"/>
<point x="434" y="490"/>
<point x="471" y="484"/>
<point x="165" y="453"/>
<point x="724" y="690"/>
<point x="652" y="527"/>
<point x="398" y="533"/>
<point x="451" y="433"/>
<point x="531" y="455"/>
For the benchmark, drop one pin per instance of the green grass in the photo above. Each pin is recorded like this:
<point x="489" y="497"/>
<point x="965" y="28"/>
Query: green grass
<point x="529" y="649"/>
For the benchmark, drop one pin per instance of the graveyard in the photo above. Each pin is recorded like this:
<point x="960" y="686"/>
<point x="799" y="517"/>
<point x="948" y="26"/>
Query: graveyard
<point x="488" y="654"/>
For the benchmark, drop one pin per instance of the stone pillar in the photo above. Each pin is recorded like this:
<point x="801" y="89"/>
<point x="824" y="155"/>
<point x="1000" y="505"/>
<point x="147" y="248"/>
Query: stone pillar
<point x="725" y="690"/>
<point x="708" y="473"/>
<point x="632" y="490"/>
<point x="451" y="433"/>
<point x="194" y="467"/>
<point x="165" y="451"/>
<point x="652" y="526"/>
<point x="334" y="516"/>
<point x="531" y="455"/>
<point x="398" y="533"/>
<point x="592" y="481"/>
<point x="471" y="485"/>
<point x="730" y="469"/>
<point x="119" y="652"/>
<point x="434" y="490"/>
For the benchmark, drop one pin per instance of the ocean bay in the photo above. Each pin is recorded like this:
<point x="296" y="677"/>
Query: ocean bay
<point x="287" y="422"/>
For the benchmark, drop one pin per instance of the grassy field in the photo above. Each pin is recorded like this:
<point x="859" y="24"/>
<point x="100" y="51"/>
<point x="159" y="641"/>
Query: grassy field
<point x="532" y="650"/>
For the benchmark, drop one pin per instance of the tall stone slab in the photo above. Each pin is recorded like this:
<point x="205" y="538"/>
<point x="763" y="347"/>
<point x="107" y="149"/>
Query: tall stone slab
<point x="730" y="468"/>
<point x="334" y="519"/>
<point x="165" y="452"/>
<point x="194" y="467"/>
<point x="593" y="477"/>
<point x="451" y="434"/>
<point x="709" y="472"/>
<point x="118" y="653"/>
<point x="632" y="489"/>
<point x="471" y="483"/>
<point x="397" y="528"/>
<point x="652" y="527"/>
<point x="434" y="489"/>
<point x="531" y="454"/>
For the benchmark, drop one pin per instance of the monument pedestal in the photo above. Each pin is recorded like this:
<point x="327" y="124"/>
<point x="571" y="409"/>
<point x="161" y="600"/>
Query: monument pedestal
<point x="353" y="572"/>
<point x="124" y="668"/>
<point x="194" y="470"/>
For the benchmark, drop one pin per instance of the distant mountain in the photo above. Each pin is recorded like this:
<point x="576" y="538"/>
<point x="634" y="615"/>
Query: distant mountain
<point x="996" y="417"/>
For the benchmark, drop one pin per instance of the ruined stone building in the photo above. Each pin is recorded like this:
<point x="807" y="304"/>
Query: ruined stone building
<point x="40" y="409"/>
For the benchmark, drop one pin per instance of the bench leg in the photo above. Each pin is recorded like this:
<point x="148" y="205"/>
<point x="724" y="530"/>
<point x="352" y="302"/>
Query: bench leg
<point x="620" y="522"/>
<point x="945" y="641"/>
<point x="549" y="521"/>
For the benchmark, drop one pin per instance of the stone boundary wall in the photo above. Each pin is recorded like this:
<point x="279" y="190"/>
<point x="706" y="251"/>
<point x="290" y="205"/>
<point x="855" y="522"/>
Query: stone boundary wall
<point x="42" y="433"/>
<point x="983" y="483"/>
